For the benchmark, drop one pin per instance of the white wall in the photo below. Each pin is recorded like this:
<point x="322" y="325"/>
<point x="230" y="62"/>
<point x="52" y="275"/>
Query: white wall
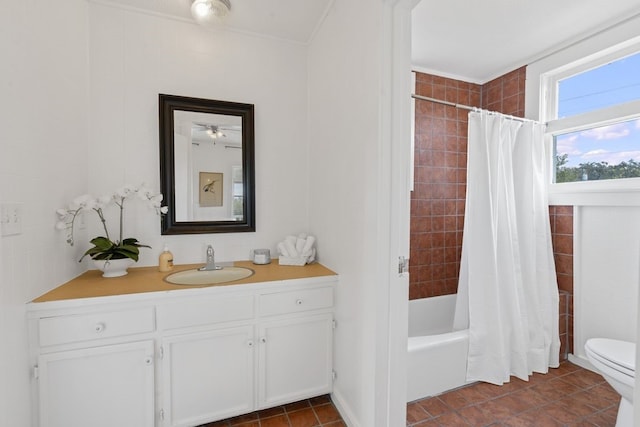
<point x="135" y="56"/>
<point x="44" y="87"/>
<point x="344" y="138"/>
<point x="606" y="273"/>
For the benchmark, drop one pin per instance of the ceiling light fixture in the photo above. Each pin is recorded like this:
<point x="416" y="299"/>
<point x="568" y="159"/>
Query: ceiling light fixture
<point x="214" y="132"/>
<point x="205" y="11"/>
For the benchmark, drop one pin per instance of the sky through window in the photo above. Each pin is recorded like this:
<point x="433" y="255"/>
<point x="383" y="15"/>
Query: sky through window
<point x="610" y="84"/>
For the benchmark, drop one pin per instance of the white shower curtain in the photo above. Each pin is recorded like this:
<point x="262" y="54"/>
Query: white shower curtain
<point x="507" y="292"/>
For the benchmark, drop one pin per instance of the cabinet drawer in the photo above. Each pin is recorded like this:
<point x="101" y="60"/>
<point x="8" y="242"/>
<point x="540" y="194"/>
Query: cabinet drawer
<point x="295" y="301"/>
<point x="205" y="311"/>
<point x="93" y="326"/>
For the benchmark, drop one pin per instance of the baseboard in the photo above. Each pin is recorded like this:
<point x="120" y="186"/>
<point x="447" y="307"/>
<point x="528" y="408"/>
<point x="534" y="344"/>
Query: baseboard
<point x="345" y="411"/>
<point x="583" y="362"/>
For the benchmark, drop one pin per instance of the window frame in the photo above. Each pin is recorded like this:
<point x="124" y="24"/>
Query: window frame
<point x="601" y="192"/>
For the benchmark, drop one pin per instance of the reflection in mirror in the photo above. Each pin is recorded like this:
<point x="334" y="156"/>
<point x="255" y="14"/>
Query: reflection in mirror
<point x="207" y="171"/>
<point x="208" y="166"/>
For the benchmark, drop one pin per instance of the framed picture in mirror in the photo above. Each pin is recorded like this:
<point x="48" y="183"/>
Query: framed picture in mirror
<point x="211" y="185"/>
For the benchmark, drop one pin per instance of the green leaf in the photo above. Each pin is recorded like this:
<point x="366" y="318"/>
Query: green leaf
<point x="105" y="249"/>
<point x="102" y="243"/>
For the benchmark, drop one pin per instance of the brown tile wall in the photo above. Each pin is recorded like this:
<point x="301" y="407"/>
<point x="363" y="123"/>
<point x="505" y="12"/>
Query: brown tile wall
<point x="437" y="202"/>
<point x="506" y="93"/>
<point x="561" y="218"/>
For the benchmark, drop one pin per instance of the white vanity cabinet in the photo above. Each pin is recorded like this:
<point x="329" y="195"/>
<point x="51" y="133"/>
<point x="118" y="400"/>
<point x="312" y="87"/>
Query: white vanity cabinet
<point x="211" y="376"/>
<point x="95" y="368"/>
<point x="233" y="354"/>
<point x="181" y="358"/>
<point x="208" y="358"/>
<point x="295" y="339"/>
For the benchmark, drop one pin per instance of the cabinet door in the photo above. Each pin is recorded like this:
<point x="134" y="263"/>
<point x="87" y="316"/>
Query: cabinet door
<point x="208" y="375"/>
<point x="98" y="387"/>
<point x="295" y="359"/>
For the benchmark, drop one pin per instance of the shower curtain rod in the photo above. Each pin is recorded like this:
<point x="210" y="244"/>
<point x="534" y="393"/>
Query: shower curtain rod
<point x="466" y="107"/>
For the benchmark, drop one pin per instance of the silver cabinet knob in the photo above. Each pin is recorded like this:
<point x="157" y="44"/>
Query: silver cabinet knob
<point x="299" y="301"/>
<point x="99" y="327"/>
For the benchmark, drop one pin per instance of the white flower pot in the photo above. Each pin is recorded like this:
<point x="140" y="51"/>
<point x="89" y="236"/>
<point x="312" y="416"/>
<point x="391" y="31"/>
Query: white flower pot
<point x="113" y="267"/>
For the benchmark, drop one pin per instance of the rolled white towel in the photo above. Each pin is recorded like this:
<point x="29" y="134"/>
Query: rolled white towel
<point x="283" y="250"/>
<point x="300" y="243"/>
<point x="291" y="248"/>
<point x="308" y="245"/>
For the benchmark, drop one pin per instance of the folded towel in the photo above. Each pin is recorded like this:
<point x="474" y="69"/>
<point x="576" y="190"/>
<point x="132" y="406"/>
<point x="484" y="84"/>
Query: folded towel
<point x="291" y="248"/>
<point x="283" y="250"/>
<point x="308" y="245"/>
<point x="298" y="250"/>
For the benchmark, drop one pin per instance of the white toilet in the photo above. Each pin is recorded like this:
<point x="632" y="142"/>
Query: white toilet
<point x="616" y="361"/>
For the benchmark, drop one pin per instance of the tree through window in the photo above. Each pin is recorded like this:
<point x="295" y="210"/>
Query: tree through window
<point x="601" y="111"/>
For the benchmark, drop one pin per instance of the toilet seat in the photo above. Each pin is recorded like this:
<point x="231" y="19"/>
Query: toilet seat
<point x="615" y="354"/>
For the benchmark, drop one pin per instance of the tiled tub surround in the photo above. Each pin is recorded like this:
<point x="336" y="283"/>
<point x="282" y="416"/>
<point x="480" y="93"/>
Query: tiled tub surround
<point x="438" y="199"/>
<point x="561" y="218"/>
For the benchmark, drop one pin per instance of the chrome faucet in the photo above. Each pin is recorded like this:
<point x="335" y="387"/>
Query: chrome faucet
<point x="211" y="263"/>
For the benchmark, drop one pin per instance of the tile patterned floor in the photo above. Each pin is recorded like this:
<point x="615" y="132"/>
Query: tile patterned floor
<point x="567" y="396"/>
<point x="314" y="412"/>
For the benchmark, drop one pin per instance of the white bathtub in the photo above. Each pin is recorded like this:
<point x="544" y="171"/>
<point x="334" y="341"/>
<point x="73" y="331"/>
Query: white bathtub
<point x="437" y="355"/>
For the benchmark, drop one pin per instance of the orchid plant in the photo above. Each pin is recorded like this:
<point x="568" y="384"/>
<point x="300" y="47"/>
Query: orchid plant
<point x="104" y="247"/>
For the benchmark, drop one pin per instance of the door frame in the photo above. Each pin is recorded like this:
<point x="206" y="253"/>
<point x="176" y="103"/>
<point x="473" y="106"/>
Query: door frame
<point x="395" y="152"/>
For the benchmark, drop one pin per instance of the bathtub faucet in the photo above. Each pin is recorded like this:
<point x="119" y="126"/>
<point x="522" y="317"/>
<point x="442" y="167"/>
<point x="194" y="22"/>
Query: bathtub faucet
<point x="211" y="263"/>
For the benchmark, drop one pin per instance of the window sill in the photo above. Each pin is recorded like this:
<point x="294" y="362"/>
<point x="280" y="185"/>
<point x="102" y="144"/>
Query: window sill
<point x="618" y="192"/>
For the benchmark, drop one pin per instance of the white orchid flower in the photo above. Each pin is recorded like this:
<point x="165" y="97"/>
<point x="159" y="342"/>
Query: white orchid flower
<point x="102" y="202"/>
<point x="126" y="191"/>
<point x="86" y="203"/>
<point x="145" y="193"/>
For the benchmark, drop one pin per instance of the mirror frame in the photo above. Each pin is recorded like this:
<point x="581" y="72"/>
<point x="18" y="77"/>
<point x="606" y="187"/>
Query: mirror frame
<point x="168" y="104"/>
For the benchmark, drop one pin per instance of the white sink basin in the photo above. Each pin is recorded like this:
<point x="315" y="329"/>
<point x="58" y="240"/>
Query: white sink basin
<point x="212" y="277"/>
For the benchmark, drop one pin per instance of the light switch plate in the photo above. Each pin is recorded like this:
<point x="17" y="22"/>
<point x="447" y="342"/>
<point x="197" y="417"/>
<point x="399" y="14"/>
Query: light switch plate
<point x="11" y="218"/>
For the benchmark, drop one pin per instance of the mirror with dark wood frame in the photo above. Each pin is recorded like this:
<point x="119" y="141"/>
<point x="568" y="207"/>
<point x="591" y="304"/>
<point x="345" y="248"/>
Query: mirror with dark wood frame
<point x="207" y="165"/>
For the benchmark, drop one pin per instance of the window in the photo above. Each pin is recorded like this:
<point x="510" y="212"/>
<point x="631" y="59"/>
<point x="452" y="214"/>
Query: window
<point x="594" y="112"/>
<point x="610" y="84"/>
<point x="237" y="192"/>
<point x="604" y="152"/>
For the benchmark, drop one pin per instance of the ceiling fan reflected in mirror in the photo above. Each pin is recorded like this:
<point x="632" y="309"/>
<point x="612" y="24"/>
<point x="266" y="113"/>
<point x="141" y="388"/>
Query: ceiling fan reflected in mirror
<point x="205" y="132"/>
<point x="206" y="11"/>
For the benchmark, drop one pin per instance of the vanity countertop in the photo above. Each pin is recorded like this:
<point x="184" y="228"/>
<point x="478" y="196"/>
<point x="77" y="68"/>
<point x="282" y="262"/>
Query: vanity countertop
<point x="91" y="284"/>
